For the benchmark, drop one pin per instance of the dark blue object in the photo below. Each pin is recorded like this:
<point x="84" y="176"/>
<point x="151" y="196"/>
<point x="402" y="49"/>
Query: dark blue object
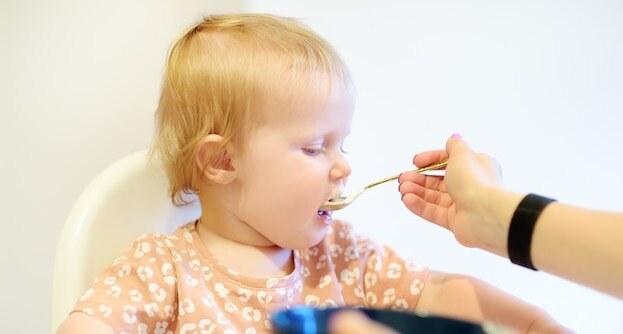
<point x="308" y="320"/>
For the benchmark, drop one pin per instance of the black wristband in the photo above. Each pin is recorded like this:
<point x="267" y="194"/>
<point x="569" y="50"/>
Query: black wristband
<point x="522" y="227"/>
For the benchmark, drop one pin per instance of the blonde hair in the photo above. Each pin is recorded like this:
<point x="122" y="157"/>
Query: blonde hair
<point x="218" y="79"/>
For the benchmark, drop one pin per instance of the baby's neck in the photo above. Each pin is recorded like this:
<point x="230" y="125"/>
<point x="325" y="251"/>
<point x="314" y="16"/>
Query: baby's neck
<point x="248" y="260"/>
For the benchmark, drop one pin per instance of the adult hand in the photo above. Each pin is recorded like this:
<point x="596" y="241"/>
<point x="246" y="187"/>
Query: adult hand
<point x="459" y="201"/>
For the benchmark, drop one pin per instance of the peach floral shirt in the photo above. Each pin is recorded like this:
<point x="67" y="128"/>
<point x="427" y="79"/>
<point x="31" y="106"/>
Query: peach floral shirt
<point x="171" y="284"/>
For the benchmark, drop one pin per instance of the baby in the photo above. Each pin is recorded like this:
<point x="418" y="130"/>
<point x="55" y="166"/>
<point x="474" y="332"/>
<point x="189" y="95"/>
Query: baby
<point x="252" y="116"/>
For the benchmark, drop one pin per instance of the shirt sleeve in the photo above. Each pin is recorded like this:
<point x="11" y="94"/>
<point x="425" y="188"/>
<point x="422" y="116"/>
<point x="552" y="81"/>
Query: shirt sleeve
<point x="386" y="280"/>
<point x="137" y="293"/>
<point x="390" y="281"/>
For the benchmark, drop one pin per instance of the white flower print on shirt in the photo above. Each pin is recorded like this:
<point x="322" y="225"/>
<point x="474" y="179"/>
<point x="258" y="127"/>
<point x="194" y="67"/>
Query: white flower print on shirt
<point x="188" y="237"/>
<point x="188" y="328"/>
<point x="142" y="249"/>
<point x="251" y="314"/>
<point x="371" y="298"/>
<point x="141" y="328"/>
<point x="114" y="291"/>
<point x="370" y="279"/>
<point x="105" y="310"/>
<point x="144" y="273"/>
<point x="351" y="254"/>
<point x="322" y="262"/>
<point x="208" y="299"/>
<point x="290" y="295"/>
<point x="159" y="293"/>
<point x="336" y="250"/>
<point x="151" y="309"/>
<point x="416" y="287"/>
<point x="221" y="290"/>
<point x="263" y="297"/>
<point x="168" y="311"/>
<point x="161" y="327"/>
<point x="394" y="270"/>
<point x="129" y="314"/>
<point x="206" y="326"/>
<point x="110" y="280"/>
<point x="329" y="303"/>
<point x="359" y="292"/>
<point x="167" y="273"/>
<point x="186" y="306"/>
<point x="230" y="307"/>
<point x="195" y="265"/>
<point x="244" y="295"/>
<point x="221" y="318"/>
<point x="400" y="305"/>
<point x="389" y="295"/>
<point x="325" y="281"/>
<point x="191" y="281"/>
<point x="349" y="276"/>
<point x="125" y="270"/>
<point x="135" y="295"/>
<point x="374" y="263"/>
<point x="272" y="282"/>
<point x="87" y="295"/>
<point x="312" y="300"/>
<point x="207" y="274"/>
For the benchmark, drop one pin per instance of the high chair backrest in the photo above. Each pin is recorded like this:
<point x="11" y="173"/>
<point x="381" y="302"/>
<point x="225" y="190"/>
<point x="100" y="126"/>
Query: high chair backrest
<point x="129" y="198"/>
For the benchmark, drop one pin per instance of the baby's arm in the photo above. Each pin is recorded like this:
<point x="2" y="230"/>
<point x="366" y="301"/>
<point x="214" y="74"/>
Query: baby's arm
<point x="79" y="322"/>
<point x="470" y="299"/>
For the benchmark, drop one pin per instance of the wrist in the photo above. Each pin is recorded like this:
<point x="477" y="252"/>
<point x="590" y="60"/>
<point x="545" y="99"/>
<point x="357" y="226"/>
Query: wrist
<point x="498" y="211"/>
<point x="522" y="228"/>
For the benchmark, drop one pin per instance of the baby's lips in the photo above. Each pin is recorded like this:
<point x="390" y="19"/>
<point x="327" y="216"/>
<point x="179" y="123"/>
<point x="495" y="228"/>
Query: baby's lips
<point x="335" y="194"/>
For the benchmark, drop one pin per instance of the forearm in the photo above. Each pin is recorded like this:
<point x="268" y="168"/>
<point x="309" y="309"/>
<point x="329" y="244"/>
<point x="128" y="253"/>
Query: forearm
<point x="585" y="246"/>
<point x="582" y="245"/>
<point x="470" y="299"/>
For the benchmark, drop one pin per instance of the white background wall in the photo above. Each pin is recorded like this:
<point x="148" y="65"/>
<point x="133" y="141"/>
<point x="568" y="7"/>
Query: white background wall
<point x="538" y="84"/>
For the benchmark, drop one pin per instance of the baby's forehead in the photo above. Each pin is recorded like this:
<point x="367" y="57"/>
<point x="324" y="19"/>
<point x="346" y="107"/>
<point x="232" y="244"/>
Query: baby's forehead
<point x="291" y="94"/>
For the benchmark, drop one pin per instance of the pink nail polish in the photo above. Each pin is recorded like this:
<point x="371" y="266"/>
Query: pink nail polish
<point x="456" y="135"/>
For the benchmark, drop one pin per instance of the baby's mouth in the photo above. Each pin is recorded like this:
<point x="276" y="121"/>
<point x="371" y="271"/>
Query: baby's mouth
<point x="326" y="213"/>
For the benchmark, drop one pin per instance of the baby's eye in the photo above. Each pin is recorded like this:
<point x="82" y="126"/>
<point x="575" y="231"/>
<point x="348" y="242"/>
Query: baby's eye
<point x="312" y="151"/>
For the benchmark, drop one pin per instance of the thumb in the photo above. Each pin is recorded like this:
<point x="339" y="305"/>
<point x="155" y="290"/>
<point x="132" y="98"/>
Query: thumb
<point x="455" y="144"/>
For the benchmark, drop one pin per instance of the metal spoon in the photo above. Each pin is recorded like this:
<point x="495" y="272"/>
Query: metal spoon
<point x="341" y="202"/>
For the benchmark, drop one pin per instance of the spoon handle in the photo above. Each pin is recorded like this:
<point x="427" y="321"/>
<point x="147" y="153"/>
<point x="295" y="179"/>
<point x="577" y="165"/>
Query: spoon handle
<point x="419" y="170"/>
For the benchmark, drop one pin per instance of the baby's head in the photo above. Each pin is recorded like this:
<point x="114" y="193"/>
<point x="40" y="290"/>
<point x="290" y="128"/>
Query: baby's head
<point x="222" y="77"/>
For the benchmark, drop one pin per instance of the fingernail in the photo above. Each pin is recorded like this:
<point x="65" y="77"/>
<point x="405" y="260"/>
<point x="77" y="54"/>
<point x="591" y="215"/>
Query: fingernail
<point x="456" y="136"/>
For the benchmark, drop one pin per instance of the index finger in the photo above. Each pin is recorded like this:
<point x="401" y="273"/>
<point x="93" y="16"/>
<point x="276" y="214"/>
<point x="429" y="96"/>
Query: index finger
<point x="429" y="157"/>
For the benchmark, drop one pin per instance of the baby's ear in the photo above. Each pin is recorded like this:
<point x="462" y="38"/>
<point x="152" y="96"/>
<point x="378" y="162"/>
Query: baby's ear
<point x="214" y="159"/>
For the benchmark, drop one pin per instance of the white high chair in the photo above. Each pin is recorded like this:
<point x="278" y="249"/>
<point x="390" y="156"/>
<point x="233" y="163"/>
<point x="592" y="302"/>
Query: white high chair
<point x="129" y="198"/>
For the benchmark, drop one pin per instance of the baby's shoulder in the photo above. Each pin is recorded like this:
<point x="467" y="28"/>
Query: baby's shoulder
<point x="160" y="245"/>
